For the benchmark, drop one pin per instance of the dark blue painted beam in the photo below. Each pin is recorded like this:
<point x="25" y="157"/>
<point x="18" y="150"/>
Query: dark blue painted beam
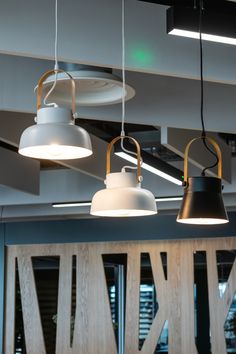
<point x="158" y="227"/>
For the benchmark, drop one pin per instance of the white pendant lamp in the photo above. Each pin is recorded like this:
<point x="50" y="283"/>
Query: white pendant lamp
<point x="123" y="195"/>
<point x="55" y="135"/>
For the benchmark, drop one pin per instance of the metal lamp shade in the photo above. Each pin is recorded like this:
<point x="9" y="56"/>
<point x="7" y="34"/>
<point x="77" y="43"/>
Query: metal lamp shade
<point x="123" y="197"/>
<point x="55" y="137"/>
<point x="202" y="202"/>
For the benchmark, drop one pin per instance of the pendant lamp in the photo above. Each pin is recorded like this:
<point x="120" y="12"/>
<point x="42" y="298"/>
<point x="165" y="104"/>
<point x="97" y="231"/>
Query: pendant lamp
<point x="202" y="202"/>
<point x="55" y="136"/>
<point x="123" y="195"/>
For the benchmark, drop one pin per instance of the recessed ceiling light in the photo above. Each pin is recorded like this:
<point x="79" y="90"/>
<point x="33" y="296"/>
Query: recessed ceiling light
<point x="93" y="88"/>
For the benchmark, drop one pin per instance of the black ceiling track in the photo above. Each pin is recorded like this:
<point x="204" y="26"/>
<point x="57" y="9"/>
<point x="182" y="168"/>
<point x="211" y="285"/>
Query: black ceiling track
<point x="222" y="5"/>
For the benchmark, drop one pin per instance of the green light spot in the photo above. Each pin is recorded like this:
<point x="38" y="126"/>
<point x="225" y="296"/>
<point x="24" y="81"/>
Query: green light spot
<point x="141" y="56"/>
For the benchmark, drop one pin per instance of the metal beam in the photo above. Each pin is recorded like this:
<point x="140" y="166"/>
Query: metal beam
<point x="12" y="125"/>
<point x="29" y="32"/>
<point x="158" y="101"/>
<point x="56" y="186"/>
<point x="19" y="172"/>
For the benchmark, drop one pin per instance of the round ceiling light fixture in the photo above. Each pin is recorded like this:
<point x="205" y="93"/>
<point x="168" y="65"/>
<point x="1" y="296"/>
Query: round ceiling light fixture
<point x="55" y="136"/>
<point x="93" y="88"/>
<point x="123" y="196"/>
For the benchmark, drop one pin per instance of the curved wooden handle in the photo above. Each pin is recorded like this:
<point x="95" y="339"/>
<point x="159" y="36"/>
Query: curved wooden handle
<point x="108" y="158"/>
<point x="40" y="87"/>
<point x="218" y="152"/>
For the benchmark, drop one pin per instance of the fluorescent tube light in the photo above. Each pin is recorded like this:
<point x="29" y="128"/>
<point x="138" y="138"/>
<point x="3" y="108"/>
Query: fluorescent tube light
<point x="83" y="204"/>
<point x="149" y="168"/>
<point x="168" y="199"/>
<point x="205" y="36"/>
<point x="71" y="205"/>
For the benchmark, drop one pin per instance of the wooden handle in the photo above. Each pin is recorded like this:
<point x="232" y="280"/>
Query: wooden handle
<point x="108" y="159"/>
<point x="218" y="152"/>
<point x="40" y="87"/>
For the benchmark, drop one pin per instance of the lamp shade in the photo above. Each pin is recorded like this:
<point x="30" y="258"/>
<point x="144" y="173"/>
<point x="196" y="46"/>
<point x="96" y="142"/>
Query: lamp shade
<point x="202" y="202"/>
<point x="55" y="136"/>
<point x="123" y="196"/>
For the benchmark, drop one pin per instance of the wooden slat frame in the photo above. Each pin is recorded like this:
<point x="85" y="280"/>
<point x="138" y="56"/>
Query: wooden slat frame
<point x="93" y="332"/>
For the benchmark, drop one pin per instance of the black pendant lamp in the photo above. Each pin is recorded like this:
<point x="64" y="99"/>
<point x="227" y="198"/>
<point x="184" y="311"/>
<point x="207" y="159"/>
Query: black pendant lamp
<point x="202" y="202"/>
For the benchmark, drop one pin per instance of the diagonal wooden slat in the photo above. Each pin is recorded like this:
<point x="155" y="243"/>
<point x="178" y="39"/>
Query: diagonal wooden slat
<point x="30" y="308"/>
<point x="217" y="318"/>
<point x="162" y="295"/>
<point x="132" y="303"/>
<point x="64" y="304"/>
<point x="9" y="342"/>
<point x="174" y="314"/>
<point x="187" y="306"/>
<point x="230" y="290"/>
<point x="81" y="327"/>
<point x="99" y="319"/>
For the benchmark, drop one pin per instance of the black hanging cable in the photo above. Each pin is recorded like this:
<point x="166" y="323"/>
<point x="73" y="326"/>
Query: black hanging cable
<point x="4" y="225"/>
<point x="203" y="135"/>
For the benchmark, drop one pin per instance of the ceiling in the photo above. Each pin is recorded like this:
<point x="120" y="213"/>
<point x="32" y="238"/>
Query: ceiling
<point x="163" y="70"/>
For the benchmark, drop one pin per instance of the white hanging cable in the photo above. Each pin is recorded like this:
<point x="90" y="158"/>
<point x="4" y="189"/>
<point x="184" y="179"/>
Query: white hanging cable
<point x="122" y="133"/>
<point x="56" y="67"/>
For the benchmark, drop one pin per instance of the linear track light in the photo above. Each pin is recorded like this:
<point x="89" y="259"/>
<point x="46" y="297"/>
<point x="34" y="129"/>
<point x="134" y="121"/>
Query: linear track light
<point x="157" y="171"/>
<point x="71" y="204"/>
<point x="217" y="25"/>
<point x="84" y="204"/>
<point x="168" y="199"/>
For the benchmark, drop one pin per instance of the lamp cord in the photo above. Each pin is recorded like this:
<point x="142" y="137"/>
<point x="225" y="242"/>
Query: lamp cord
<point x="4" y="226"/>
<point x="122" y="133"/>
<point x="56" y="66"/>
<point x="203" y="135"/>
